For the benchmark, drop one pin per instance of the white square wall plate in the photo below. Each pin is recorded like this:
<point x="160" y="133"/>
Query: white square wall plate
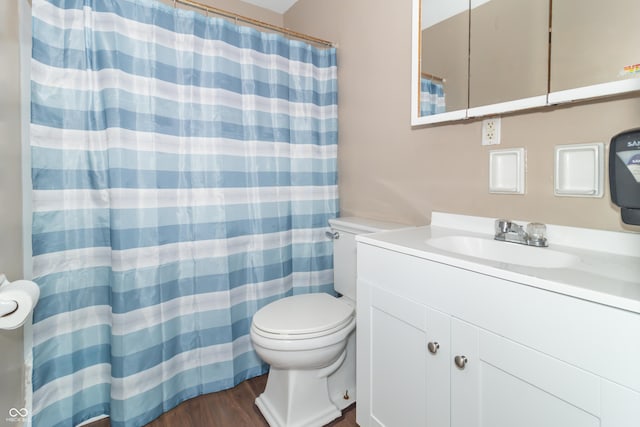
<point x="579" y="170"/>
<point x="506" y="171"/>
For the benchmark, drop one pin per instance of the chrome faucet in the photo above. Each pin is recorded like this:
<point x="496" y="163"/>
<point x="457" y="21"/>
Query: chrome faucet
<point x="508" y="231"/>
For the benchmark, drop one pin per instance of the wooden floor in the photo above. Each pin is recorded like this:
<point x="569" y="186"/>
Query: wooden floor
<point x="228" y="408"/>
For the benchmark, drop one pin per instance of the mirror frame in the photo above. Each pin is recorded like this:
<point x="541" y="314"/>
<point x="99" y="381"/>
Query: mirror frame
<point x="552" y="98"/>
<point x="594" y="91"/>
<point x="416" y="53"/>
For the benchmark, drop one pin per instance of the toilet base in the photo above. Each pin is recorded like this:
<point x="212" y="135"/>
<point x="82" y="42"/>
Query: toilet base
<point x="297" y="398"/>
<point x="342" y="383"/>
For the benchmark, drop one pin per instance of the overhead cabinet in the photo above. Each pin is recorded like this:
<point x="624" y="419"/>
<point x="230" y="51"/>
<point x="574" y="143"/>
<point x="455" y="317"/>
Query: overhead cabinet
<point x="489" y="57"/>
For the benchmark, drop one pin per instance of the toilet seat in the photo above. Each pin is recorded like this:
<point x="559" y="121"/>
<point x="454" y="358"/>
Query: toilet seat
<point x="303" y="316"/>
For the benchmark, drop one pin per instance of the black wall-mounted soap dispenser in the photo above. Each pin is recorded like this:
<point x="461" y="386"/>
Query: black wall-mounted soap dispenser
<point x="624" y="174"/>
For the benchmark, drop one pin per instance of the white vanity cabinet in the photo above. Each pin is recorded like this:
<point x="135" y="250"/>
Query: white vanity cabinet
<point x="507" y="354"/>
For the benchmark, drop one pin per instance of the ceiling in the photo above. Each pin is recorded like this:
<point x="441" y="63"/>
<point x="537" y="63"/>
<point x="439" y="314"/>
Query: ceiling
<point x="279" y="6"/>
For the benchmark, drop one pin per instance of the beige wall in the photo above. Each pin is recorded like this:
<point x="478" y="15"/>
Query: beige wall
<point x="11" y="343"/>
<point x="388" y="170"/>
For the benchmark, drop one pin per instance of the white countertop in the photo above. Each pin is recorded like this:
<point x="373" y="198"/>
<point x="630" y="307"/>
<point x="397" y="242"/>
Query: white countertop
<point x="608" y="271"/>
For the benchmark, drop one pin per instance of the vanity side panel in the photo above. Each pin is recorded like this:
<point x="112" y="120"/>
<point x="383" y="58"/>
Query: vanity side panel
<point x="363" y="343"/>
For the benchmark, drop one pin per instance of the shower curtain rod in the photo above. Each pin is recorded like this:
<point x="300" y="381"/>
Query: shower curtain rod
<point x="254" y="22"/>
<point x="433" y="77"/>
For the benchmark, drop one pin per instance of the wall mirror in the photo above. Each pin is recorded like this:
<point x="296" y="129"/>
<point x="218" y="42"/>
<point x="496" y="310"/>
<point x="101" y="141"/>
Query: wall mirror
<point x="444" y="57"/>
<point x="595" y="49"/>
<point x="508" y="55"/>
<point x="474" y="58"/>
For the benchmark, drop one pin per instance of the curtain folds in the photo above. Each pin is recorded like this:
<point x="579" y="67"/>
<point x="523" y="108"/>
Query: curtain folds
<point x="184" y="169"/>
<point x="432" y="99"/>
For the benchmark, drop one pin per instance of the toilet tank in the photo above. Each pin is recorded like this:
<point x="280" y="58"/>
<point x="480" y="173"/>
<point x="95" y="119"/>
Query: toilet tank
<point x="344" y="249"/>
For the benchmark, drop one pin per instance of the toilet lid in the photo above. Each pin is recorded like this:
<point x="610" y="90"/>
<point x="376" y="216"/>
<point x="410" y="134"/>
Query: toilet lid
<point x="303" y="314"/>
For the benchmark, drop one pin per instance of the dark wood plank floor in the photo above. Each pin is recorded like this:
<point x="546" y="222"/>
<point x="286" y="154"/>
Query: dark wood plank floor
<point x="228" y="408"/>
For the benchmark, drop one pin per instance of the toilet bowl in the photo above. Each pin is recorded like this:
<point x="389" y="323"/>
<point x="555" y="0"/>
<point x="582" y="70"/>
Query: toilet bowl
<point x="312" y="335"/>
<point x="301" y="357"/>
<point x="309" y="342"/>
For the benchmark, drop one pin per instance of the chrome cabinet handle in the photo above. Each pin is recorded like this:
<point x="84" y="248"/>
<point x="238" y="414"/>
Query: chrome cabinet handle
<point x="460" y="361"/>
<point x="433" y="347"/>
<point x="332" y="235"/>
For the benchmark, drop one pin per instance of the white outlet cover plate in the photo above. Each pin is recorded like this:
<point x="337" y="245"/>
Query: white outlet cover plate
<point x="507" y="171"/>
<point x="579" y="170"/>
<point x="486" y="124"/>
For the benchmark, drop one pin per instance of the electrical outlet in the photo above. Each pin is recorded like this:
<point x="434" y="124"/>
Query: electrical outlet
<point x="491" y="131"/>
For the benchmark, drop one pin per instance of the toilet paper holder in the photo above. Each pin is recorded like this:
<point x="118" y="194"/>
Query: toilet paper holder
<point x="17" y="301"/>
<point x="6" y="306"/>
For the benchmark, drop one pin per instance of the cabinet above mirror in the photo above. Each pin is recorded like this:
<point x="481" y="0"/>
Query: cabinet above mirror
<point x="595" y="49"/>
<point x="473" y="58"/>
<point x="508" y="55"/>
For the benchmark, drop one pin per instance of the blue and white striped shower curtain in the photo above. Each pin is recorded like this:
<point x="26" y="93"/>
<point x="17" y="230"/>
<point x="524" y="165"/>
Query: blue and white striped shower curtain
<point x="184" y="169"/>
<point x="432" y="100"/>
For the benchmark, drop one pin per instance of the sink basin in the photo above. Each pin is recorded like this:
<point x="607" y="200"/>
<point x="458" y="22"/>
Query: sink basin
<point x="509" y="253"/>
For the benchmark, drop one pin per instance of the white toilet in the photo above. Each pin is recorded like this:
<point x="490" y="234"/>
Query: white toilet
<point x="309" y="341"/>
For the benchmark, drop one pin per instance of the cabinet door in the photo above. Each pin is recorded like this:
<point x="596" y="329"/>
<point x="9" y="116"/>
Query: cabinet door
<point x="505" y="384"/>
<point x="397" y="353"/>
<point x="465" y="380"/>
<point x="410" y="350"/>
<point x="620" y="406"/>
<point x="438" y="336"/>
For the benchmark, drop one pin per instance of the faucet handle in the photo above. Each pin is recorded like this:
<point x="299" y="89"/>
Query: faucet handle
<point x="537" y="233"/>
<point x="502" y="225"/>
